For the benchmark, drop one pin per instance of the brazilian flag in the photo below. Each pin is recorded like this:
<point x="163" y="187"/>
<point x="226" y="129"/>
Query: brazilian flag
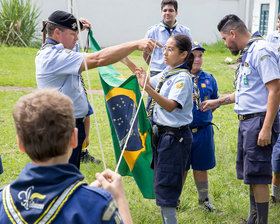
<point x="122" y="98"/>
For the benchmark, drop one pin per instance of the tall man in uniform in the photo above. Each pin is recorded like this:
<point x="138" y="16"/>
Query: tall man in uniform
<point x="274" y="39"/>
<point x="161" y="32"/>
<point x="256" y="101"/>
<point x="59" y="65"/>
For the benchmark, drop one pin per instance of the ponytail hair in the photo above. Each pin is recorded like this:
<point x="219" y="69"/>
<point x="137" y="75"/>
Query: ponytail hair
<point x="183" y="43"/>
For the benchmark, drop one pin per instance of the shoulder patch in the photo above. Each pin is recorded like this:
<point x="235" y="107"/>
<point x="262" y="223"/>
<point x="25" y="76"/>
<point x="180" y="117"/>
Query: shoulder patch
<point x="117" y="218"/>
<point x="265" y="56"/>
<point x="109" y="211"/>
<point x="179" y="85"/>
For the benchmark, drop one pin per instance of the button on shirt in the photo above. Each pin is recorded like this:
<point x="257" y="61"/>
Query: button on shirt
<point x="161" y="35"/>
<point x="208" y="90"/>
<point x="57" y="67"/>
<point x="259" y="66"/>
<point x="178" y="88"/>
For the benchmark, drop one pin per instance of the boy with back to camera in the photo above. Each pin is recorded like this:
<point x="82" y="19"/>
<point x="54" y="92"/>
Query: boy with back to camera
<point x="49" y="189"/>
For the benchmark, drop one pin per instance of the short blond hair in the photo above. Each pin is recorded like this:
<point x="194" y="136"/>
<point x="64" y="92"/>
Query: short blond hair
<point x="44" y="122"/>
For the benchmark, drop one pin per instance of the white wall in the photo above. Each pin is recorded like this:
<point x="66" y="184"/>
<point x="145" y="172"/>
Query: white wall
<point x="272" y="18"/>
<point x="117" y="21"/>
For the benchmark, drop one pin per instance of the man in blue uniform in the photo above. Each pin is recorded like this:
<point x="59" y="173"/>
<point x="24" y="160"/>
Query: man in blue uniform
<point x="161" y="32"/>
<point x="59" y="65"/>
<point x="202" y="156"/>
<point x="49" y="189"/>
<point x="256" y="101"/>
<point x="274" y="39"/>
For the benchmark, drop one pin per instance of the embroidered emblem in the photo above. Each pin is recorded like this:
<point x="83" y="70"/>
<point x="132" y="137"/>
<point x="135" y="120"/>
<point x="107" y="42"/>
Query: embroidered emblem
<point x="27" y="199"/>
<point x="168" y="82"/>
<point x="74" y="26"/>
<point x="203" y="85"/>
<point x="195" y="42"/>
<point x="109" y="211"/>
<point x="179" y="85"/>
<point x="207" y="81"/>
<point x="265" y="56"/>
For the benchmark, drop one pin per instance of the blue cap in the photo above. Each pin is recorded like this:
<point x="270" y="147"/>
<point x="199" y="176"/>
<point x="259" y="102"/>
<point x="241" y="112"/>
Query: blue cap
<point x="197" y="46"/>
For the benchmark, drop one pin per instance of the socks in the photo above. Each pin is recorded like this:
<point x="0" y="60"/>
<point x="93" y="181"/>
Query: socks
<point x="253" y="210"/>
<point x="202" y="189"/>
<point x="275" y="191"/>
<point x="262" y="211"/>
<point x="168" y="215"/>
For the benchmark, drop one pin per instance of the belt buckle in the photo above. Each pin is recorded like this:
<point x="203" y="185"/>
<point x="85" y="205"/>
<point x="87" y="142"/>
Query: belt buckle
<point x="194" y="130"/>
<point x="241" y="117"/>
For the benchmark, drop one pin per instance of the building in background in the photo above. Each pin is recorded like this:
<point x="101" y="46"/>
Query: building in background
<point x="119" y="21"/>
<point x="265" y="14"/>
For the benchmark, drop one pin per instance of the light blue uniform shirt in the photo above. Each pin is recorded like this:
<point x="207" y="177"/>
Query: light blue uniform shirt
<point x="57" y="67"/>
<point x="161" y="35"/>
<point x="274" y="39"/>
<point x="259" y="66"/>
<point x="178" y="88"/>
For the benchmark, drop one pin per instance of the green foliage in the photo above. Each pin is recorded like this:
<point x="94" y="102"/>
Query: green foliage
<point x="18" y="22"/>
<point x="218" y="47"/>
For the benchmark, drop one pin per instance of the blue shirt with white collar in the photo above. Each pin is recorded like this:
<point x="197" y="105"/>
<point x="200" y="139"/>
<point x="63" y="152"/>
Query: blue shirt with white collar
<point x="161" y="35"/>
<point x="178" y="88"/>
<point x="259" y="66"/>
<point x="58" y="67"/>
<point x="208" y="90"/>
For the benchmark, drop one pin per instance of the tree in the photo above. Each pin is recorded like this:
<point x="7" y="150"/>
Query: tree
<point x="18" y="22"/>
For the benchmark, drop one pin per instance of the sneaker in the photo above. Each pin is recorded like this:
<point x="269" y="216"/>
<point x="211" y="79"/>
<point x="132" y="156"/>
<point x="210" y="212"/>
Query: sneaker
<point x="243" y="221"/>
<point x="274" y="201"/>
<point x="207" y="205"/>
<point x="86" y="157"/>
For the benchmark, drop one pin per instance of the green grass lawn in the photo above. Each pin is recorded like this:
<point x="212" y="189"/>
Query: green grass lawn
<point x="227" y="193"/>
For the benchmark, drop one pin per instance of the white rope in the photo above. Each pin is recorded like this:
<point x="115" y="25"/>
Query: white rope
<point x="136" y="114"/>
<point x="75" y="12"/>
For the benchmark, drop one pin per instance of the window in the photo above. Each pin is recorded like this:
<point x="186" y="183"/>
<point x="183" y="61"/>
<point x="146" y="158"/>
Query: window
<point x="264" y="19"/>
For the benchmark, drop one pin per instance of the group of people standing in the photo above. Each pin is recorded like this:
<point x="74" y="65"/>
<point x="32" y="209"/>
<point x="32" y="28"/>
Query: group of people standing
<point x="182" y="98"/>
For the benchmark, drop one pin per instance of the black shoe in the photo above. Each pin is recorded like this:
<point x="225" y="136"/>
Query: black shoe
<point x="206" y="204"/>
<point x="178" y="207"/>
<point x="244" y="221"/>
<point x="86" y="157"/>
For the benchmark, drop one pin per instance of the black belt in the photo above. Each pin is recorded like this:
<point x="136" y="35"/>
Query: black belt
<point x="247" y="116"/>
<point x="80" y="120"/>
<point x="166" y="128"/>
<point x="196" y="129"/>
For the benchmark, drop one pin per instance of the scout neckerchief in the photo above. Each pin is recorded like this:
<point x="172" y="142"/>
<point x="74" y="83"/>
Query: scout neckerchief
<point x="51" y="42"/>
<point x="168" y="28"/>
<point x="196" y="90"/>
<point x="51" y="211"/>
<point x="181" y="68"/>
<point x="40" y="193"/>
<point x="256" y="36"/>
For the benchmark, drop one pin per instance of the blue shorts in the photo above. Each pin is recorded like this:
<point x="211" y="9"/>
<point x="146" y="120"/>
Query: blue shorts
<point x="276" y="154"/>
<point x="169" y="163"/>
<point x="202" y="156"/>
<point x="253" y="163"/>
<point x="90" y="110"/>
<point x="76" y="153"/>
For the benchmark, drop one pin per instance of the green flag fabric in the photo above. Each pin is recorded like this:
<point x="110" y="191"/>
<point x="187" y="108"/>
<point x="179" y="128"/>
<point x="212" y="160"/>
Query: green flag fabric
<point x="122" y="98"/>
